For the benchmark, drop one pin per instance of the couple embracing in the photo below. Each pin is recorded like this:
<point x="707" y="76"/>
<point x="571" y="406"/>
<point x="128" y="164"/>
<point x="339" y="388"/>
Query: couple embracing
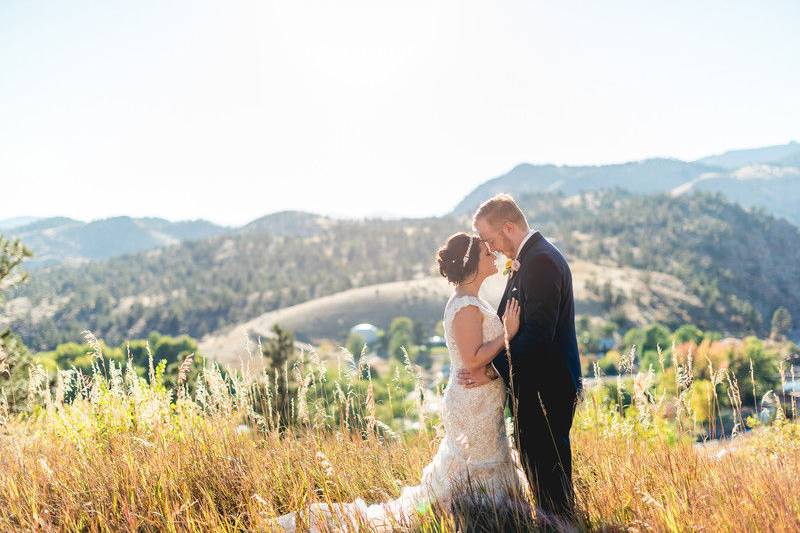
<point x="524" y="353"/>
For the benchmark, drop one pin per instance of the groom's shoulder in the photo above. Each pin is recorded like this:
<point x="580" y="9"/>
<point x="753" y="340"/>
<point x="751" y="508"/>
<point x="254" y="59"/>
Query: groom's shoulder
<point x="545" y="253"/>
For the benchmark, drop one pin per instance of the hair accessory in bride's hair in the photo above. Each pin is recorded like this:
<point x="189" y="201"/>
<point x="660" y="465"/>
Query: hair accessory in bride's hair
<point x="466" y="255"/>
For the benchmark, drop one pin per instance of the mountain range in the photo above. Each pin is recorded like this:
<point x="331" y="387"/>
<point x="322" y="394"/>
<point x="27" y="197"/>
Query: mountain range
<point x="766" y="178"/>
<point x="61" y="240"/>
<point x="10" y="223"/>
<point x="685" y="224"/>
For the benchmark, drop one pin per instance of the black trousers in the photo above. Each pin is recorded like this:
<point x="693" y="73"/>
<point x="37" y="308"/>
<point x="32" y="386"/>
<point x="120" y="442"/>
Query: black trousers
<point x="543" y="422"/>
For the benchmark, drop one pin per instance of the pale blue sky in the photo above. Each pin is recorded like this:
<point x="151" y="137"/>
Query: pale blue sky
<point x="230" y="110"/>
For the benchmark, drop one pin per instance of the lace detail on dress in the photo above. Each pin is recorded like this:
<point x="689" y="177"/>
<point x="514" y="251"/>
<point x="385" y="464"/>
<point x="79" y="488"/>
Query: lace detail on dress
<point x="475" y="449"/>
<point x="473" y="418"/>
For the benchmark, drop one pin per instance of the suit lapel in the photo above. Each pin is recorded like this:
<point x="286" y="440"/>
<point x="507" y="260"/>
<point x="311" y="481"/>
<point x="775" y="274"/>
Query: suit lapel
<point x="501" y="308"/>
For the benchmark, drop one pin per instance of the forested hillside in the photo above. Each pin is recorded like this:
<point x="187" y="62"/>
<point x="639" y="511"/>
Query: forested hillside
<point x="742" y="265"/>
<point x="197" y="287"/>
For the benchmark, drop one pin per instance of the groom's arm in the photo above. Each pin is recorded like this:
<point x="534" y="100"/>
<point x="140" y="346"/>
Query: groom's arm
<point x="541" y="307"/>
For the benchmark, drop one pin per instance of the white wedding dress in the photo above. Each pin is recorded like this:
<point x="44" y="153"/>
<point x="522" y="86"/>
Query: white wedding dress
<point x="475" y="450"/>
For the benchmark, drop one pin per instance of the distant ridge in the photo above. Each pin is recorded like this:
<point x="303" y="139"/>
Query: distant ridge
<point x="782" y="154"/>
<point x="288" y="223"/>
<point x="62" y="240"/>
<point x="766" y="178"/>
<point x="8" y="223"/>
<point x="639" y="177"/>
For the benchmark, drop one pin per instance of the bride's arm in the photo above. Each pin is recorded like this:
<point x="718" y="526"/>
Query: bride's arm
<point x="468" y="333"/>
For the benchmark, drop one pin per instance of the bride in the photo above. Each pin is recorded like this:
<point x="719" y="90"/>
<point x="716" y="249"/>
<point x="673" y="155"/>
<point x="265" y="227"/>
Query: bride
<point x="475" y="451"/>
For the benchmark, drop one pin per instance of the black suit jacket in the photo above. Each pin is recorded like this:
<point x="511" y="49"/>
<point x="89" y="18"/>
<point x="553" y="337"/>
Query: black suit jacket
<point x="544" y="353"/>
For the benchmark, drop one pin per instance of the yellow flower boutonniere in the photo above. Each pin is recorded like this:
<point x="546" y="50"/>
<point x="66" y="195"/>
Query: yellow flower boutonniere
<point x="512" y="265"/>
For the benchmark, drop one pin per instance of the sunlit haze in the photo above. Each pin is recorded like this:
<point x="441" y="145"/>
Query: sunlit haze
<point x="231" y="110"/>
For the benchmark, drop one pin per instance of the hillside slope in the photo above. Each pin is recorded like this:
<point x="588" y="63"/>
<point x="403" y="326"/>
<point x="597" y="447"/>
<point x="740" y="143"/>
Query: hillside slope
<point x="648" y="297"/>
<point x="775" y="189"/>
<point x="741" y="265"/>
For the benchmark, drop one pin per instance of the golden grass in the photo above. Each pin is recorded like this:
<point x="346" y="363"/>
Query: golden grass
<point x="126" y="456"/>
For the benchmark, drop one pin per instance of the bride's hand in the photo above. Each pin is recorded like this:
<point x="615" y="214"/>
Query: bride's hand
<point x="511" y="318"/>
<point x="473" y="378"/>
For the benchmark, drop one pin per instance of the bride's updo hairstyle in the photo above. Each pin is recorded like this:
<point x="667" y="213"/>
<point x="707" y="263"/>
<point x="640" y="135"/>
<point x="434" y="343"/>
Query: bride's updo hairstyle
<point x="451" y="257"/>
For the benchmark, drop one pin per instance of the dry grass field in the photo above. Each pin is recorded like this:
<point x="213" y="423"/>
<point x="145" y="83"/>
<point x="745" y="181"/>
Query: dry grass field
<point x="114" y="451"/>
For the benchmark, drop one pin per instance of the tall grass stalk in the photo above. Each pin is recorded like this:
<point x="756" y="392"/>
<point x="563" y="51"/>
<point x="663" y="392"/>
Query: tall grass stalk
<point x="230" y="451"/>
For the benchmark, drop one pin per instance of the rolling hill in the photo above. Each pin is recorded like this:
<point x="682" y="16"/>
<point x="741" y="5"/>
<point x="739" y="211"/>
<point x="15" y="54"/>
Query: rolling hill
<point x="647" y="298"/>
<point x="289" y="224"/>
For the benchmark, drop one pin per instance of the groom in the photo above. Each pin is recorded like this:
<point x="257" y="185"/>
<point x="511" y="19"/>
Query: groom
<point x="541" y="368"/>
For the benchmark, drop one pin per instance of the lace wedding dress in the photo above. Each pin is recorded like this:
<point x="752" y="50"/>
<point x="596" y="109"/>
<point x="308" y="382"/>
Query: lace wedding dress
<point x="474" y="452"/>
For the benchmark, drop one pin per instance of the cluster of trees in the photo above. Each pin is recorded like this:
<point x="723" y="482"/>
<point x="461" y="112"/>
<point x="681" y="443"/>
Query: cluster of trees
<point x="603" y="342"/>
<point x="755" y="364"/>
<point x="609" y="297"/>
<point x="781" y="324"/>
<point x="162" y="351"/>
<point x="741" y="264"/>
<point x="13" y="353"/>
<point x="278" y="350"/>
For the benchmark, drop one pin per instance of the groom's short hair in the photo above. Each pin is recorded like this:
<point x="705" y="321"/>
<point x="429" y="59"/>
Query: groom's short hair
<point x="499" y="209"/>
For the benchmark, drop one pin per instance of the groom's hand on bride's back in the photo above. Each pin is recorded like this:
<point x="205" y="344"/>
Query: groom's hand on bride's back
<point x="475" y="378"/>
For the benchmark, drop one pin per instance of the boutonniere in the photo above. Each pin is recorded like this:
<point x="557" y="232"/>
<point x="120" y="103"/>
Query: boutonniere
<point x="512" y="265"/>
